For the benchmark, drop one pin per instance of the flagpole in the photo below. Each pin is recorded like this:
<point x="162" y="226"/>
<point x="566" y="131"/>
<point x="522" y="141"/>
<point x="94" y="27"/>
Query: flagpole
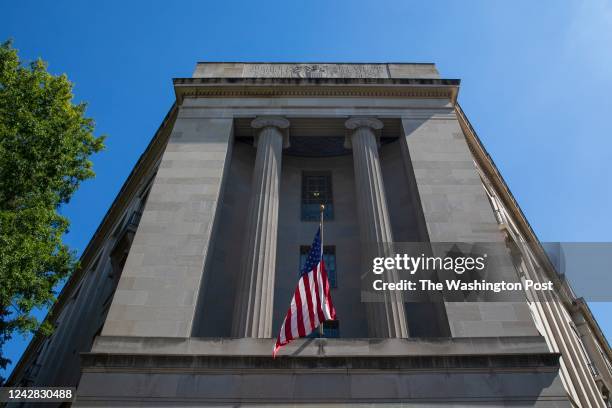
<point x="322" y="209"/>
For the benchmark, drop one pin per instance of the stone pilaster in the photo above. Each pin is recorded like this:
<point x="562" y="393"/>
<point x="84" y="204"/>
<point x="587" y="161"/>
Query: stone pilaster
<point x="255" y="295"/>
<point x="387" y="318"/>
<point x="456" y="209"/>
<point x="159" y="286"/>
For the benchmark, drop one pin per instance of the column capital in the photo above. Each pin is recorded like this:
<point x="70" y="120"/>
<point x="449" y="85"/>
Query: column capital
<point x="368" y="124"/>
<point x="278" y="123"/>
<point x="357" y="122"/>
<point x="270" y="121"/>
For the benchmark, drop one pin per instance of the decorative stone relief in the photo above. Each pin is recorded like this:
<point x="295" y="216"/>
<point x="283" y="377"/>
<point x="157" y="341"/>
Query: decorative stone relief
<point x="315" y="71"/>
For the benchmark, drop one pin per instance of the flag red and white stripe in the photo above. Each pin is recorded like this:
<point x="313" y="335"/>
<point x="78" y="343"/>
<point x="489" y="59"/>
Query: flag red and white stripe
<point x="311" y="304"/>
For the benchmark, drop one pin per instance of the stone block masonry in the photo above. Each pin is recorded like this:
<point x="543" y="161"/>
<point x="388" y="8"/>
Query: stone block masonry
<point x="158" y="290"/>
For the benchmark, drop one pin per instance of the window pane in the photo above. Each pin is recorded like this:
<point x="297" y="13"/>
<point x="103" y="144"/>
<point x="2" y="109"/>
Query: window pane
<point x="331" y="330"/>
<point x="316" y="190"/>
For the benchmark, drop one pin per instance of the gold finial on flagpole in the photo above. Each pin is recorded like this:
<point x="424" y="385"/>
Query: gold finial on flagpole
<point x="322" y="209"/>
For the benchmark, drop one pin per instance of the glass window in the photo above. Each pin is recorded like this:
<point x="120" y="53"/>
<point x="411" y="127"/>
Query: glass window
<point x="329" y="256"/>
<point x="317" y="190"/>
<point x="331" y="330"/>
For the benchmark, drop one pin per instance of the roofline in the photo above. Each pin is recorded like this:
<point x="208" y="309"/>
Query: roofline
<point x="509" y="199"/>
<point x="315" y="62"/>
<point x="316" y="87"/>
<point x="317" y="81"/>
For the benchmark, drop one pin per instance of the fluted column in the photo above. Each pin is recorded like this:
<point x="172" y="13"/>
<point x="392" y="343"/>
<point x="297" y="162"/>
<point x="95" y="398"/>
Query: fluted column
<point x="255" y="292"/>
<point x="386" y="318"/>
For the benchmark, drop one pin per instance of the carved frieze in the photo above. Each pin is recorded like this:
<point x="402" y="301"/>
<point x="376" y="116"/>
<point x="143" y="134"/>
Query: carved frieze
<point x="315" y="71"/>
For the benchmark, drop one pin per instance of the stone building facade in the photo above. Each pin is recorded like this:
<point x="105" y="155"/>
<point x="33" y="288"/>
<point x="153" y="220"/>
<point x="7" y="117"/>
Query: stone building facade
<point x="187" y="279"/>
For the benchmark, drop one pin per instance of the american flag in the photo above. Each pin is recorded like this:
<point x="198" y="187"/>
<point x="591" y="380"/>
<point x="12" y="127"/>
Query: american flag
<point x="311" y="304"/>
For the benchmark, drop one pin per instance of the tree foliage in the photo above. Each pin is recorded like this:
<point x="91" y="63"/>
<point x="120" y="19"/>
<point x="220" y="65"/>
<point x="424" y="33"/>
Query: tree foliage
<point x="45" y="145"/>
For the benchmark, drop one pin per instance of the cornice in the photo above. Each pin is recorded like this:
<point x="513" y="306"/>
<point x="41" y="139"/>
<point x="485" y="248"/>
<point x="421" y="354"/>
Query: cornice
<point x="316" y="62"/>
<point x="319" y="81"/>
<point x="315" y="87"/>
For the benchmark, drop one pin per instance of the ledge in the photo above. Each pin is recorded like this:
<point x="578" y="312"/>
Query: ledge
<point x="92" y="362"/>
<point x="316" y="81"/>
<point x="476" y="371"/>
<point x="475" y="346"/>
<point x="316" y="87"/>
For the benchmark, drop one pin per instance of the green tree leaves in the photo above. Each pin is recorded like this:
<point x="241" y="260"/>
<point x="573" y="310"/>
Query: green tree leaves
<point x="45" y="145"/>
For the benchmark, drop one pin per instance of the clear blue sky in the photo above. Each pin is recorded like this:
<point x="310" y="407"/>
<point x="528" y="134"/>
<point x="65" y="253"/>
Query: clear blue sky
<point x="536" y="82"/>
